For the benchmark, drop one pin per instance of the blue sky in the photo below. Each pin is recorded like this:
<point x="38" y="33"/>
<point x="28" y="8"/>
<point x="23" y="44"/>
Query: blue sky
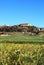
<point x="14" y="12"/>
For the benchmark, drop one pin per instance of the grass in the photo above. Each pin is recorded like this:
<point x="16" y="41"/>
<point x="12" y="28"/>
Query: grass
<point x="13" y="51"/>
<point x="21" y="54"/>
<point x="20" y="38"/>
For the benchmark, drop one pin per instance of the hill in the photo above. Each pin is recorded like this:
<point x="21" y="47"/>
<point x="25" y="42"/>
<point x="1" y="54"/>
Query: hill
<point x="21" y="28"/>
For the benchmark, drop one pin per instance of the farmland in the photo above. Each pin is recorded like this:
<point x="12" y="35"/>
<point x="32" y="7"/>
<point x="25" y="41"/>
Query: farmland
<point x="22" y="38"/>
<point x="21" y="49"/>
<point x="21" y="54"/>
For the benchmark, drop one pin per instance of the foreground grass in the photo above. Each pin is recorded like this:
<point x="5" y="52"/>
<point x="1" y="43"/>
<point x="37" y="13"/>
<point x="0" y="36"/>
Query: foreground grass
<point x="21" y="54"/>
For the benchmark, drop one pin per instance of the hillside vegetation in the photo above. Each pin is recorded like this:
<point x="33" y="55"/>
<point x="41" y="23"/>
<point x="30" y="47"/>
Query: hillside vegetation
<point x="19" y="28"/>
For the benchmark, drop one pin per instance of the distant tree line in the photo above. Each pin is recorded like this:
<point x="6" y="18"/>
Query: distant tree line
<point x="17" y="28"/>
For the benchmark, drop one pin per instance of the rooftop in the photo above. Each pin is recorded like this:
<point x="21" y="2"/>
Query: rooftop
<point x="26" y="24"/>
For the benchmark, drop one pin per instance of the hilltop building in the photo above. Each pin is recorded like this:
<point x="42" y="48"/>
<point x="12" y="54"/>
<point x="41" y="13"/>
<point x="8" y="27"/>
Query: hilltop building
<point x="25" y="25"/>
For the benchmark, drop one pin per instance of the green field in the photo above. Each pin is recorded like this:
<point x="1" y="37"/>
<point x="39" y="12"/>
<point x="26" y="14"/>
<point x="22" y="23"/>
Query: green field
<point x="22" y="38"/>
<point x="20" y="49"/>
